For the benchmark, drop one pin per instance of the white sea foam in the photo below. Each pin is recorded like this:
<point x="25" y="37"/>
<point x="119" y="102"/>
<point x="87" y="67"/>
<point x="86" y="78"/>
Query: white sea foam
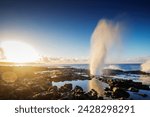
<point x="113" y="67"/>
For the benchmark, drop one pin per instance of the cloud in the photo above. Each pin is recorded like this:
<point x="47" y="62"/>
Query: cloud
<point x="60" y="60"/>
<point x="138" y="59"/>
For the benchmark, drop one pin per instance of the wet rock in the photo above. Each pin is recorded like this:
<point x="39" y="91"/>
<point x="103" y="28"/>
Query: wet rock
<point x="133" y="89"/>
<point x="107" y="89"/>
<point x="79" y="96"/>
<point x="66" y="96"/>
<point x="145" y="87"/>
<point x="119" y="93"/>
<point x="47" y="96"/>
<point x="112" y="72"/>
<point x="78" y="89"/>
<point x="100" y="98"/>
<point x="92" y="95"/>
<point x="136" y="72"/>
<point x="107" y="93"/>
<point x="126" y="84"/>
<point x="42" y="96"/>
<point x="53" y="89"/>
<point x="66" y="88"/>
<point x="78" y="93"/>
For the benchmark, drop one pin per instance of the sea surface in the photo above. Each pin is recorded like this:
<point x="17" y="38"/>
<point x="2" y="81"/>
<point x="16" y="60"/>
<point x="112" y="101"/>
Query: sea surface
<point x="125" y="67"/>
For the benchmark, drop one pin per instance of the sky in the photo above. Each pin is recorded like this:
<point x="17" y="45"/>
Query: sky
<point x="63" y="28"/>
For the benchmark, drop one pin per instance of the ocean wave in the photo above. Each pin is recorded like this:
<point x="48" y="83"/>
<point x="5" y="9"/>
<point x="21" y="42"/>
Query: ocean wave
<point x="146" y="66"/>
<point x="113" y="67"/>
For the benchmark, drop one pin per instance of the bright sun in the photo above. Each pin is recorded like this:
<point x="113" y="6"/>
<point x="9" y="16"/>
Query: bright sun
<point x="19" y="52"/>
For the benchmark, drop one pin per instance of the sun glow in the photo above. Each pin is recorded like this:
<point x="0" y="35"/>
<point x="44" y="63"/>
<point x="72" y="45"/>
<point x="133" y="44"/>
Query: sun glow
<point x="19" y="52"/>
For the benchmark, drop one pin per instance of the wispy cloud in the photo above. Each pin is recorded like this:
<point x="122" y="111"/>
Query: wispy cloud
<point x="60" y="60"/>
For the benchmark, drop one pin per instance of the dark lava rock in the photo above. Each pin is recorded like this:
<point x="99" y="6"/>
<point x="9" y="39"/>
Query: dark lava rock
<point x="145" y="87"/>
<point x="107" y="89"/>
<point x="78" y="93"/>
<point x="66" y="96"/>
<point x="78" y="89"/>
<point x="42" y="96"/>
<point x="93" y="95"/>
<point x="112" y="72"/>
<point x="136" y="72"/>
<point x="53" y="89"/>
<point x="66" y="88"/>
<point x="107" y="93"/>
<point x="47" y="96"/>
<point x="79" y="96"/>
<point x="133" y="89"/>
<point x="126" y="84"/>
<point x="119" y="93"/>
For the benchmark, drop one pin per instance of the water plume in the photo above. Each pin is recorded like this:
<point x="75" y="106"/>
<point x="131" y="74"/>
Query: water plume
<point x="145" y="67"/>
<point x="104" y="36"/>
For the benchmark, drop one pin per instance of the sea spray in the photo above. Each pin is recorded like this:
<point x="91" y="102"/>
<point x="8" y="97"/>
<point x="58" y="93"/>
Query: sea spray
<point x="105" y="35"/>
<point x="113" y="67"/>
<point x="97" y="86"/>
<point x="145" y="67"/>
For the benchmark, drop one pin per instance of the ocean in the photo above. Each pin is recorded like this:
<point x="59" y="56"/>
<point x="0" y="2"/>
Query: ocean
<point x="125" y="67"/>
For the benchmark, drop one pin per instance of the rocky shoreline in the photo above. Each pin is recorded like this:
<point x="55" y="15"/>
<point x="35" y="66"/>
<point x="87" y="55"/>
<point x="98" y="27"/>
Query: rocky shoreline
<point x="120" y="88"/>
<point x="36" y="84"/>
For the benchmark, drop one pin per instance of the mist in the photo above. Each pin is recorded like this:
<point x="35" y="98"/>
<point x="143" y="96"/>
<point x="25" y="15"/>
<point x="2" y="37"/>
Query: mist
<point x="145" y="67"/>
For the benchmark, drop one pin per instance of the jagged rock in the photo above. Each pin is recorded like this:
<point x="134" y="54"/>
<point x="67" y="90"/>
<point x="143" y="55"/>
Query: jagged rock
<point x="107" y="89"/>
<point x="53" y="89"/>
<point x="66" y="88"/>
<point x="119" y="93"/>
<point x="92" y="94"/>
<point x="107" y="93"/>
<point x="112" y="72"/>
<point x="47" y="96"/>
<point x="78" y="89"/>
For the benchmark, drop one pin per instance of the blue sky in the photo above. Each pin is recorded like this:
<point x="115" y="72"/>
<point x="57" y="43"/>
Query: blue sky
<point x="63" y="28"/>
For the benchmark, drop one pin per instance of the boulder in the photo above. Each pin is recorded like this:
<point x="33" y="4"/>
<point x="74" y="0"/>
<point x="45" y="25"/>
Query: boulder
<point x="53" y="89"/>
<point x="92" y="95"/>
<point x="119" y="93"/>
<point x="78" y="89"/>
<point x="65" y="88"/>
<point x="107" y="93"/>
<point x="68" y="87"/>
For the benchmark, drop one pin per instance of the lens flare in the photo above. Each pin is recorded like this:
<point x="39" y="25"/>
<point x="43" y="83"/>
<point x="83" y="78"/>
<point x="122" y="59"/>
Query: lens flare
<point x="9" y="77"/>
<point x="19" y="52"/>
